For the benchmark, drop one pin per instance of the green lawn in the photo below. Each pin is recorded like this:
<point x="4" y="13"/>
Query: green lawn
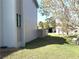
<point x="51" y="47"/>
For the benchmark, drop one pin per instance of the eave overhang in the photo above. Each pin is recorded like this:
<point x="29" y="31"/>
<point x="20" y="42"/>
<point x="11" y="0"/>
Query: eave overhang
<point x="36" y="3"/>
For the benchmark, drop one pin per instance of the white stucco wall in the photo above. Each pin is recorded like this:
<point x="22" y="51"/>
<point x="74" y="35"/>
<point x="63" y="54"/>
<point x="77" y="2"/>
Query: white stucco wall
<point x="9" y="23"/>
<point x="29" y="20"/>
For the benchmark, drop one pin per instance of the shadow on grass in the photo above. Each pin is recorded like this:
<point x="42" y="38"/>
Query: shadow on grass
<point x="37" y="43"/>
<point x="74" y="36"/>
<point x="40" y="42"/>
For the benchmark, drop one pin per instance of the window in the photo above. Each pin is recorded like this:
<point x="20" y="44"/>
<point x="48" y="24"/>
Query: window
<point x="18" y="20"/>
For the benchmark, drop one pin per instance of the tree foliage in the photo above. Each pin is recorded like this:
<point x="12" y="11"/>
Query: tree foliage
<point x="41" y="25"/>
<point x="47" y="24"/>
<point x="67" y="10"/>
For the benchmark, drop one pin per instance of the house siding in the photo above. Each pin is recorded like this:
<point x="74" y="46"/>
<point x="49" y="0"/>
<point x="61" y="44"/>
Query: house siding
<point x="9" y="23"/>
<point x="0" y="24"/>
<point x="30" y="20"/>
<point x="10" y="34"/>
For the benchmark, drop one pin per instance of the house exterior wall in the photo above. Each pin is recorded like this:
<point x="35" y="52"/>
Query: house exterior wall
<point x="9" y="23"/>
<point x="29" y="20"/>
<point x="0" y="24"/>
<point x="19" y="11"/>
<point x="58" y="26"/>
<point x="59" y="30"/>
<point x="9" y="32"/>
<point x="18" y="6"/>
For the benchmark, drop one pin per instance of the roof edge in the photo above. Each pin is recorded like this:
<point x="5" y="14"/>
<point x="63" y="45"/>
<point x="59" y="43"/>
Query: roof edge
<point x="36" y="3"/>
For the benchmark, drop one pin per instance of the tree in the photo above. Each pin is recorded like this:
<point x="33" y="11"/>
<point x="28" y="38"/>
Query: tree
<point x="41" y="25"/>
<point x="46" y="25"/>
<point x="67" y="10"/>
<point x="51" y="22"/>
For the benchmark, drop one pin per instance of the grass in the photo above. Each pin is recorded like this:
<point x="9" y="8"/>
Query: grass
<point x="53" y="46"/>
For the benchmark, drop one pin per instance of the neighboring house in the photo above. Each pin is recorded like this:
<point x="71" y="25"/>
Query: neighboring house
<point x="58" y="26"/>
<point x="18" y="22"/>
<point x="71" y="31"/>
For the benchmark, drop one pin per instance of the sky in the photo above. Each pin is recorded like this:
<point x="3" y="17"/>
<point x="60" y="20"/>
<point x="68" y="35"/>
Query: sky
<point x="39" y="16"/>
